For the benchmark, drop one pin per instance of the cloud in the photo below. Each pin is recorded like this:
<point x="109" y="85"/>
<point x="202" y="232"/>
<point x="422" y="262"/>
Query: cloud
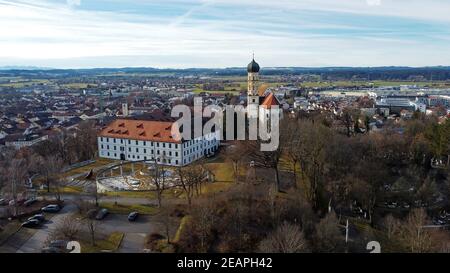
<point x="73" y="2"/>
<point x="373" y="2"/>
<point x="194" y="33"/>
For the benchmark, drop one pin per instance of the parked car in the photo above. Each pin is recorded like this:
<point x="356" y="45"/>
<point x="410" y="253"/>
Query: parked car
<point x="31" y="223"/>
<point x="406" y="205"/>
<point x="3" y="202"/>
<point x="440" y="222"/>
<point x="30" y="202"/>
<point x="39" y="217"/>
<point x="391" y="205"/>
<point x="51" y="208"/>
<point x="51" y="250"/>
<point x="92" y="213"/>
<point x="60" y="244"/>
<point x="101" y="214"/>
<point x="133" y="216"/>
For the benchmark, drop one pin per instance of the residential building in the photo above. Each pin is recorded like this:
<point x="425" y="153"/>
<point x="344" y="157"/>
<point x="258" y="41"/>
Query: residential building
<point x="135" y="140"/>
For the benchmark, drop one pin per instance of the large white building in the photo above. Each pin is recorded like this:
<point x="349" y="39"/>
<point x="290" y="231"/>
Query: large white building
<point x="136" y="140"/>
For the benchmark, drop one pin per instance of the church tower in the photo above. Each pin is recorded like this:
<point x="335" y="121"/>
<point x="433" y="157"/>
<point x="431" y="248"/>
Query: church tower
<point x="252" y="91"/>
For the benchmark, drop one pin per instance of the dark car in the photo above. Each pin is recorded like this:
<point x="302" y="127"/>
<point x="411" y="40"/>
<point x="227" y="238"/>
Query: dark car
<point x="3" y="202"/>
<point x="101" y="214"/>
<point x="51" y="208"/>
<point x="51" y="250"/>
<point x="39" y="217"/>
<point x="61" y="244"/>
<point x="31" y="223"/>
<point x="29" y="202"/>
<point x="439" y="222"/>
<point x="133" y="216"/>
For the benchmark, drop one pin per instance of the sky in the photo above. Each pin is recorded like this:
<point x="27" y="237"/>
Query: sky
<point x="224" y="33"/>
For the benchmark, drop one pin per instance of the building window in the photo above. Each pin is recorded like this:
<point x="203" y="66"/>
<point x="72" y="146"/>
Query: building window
<point x="102" y="146"/>
<point x="137" y="150"/>
<point x="137" y="142"/>
<point x="129" y="141"/>
<point x="114" y="140"/>
<point x="129" y="149"/>
<point x="145" y="151"/>
<point x="121" y="141"/>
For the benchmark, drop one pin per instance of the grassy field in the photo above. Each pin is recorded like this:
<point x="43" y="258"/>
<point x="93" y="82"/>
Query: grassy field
<point x="20" y="83"/>
<point x="324" y="84"/>
<point x="99" y="162"/>
<point x="110" y="243"/>
<point x="65" y="190"/>
<point x="78" y="85"/>
<point x="126" y="209"/>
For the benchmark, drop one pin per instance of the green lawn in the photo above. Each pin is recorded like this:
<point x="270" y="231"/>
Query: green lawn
<point x="110" y="243"/>
<point x="65" y="189"/>
<point x="132" y="194"/>
<point x="126" y="209"/>
<point x="99" y="162"/>
<point x="78" y="85"/>
<point x="19" y="83"/>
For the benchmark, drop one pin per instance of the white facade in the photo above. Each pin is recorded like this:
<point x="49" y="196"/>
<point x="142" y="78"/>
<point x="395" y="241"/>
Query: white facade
<point x="174" y="154"/>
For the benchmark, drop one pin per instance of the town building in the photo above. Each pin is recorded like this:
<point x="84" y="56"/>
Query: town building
<point x="136" y="140"/>
<point x="260" y="102"/>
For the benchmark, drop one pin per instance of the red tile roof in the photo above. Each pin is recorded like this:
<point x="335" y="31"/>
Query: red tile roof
<point x="157" y="131"/>
<point x="270" y="101"/>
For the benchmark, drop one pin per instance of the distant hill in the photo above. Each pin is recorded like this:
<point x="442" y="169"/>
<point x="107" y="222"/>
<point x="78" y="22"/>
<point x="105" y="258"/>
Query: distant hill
<point x="436" y="73"/>
<point x="13" y="67"/>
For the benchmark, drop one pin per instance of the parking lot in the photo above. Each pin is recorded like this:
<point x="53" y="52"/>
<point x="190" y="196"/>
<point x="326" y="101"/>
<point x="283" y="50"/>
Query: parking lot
<point x="32" y="240"/>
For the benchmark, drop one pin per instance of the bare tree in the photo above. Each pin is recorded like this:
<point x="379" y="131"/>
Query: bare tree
<point x="17" y="172"/>
<point x="157" y="178"/>
<point x="88" y="210"/>
<point x="204" y="221"/>
<point x="416" y="237"/>
<point x="236" y="155"/>
<point x="290" y="139"/>
<point x="50" y="168"/>
<point x="190" y="177"/>
<point x="391" y="226"/>
<point x="328" y="237"/>
<point x="266" y="159"/>
<point x="66" y="229"/>
<point x="287" y="238"/>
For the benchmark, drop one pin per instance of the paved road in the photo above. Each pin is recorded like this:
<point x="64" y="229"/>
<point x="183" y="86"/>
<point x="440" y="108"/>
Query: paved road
<point x="119" y="199"/>
<point x="135" y="232"/>
<point x="133" y="241"/>
<point x="36" y="242"/>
